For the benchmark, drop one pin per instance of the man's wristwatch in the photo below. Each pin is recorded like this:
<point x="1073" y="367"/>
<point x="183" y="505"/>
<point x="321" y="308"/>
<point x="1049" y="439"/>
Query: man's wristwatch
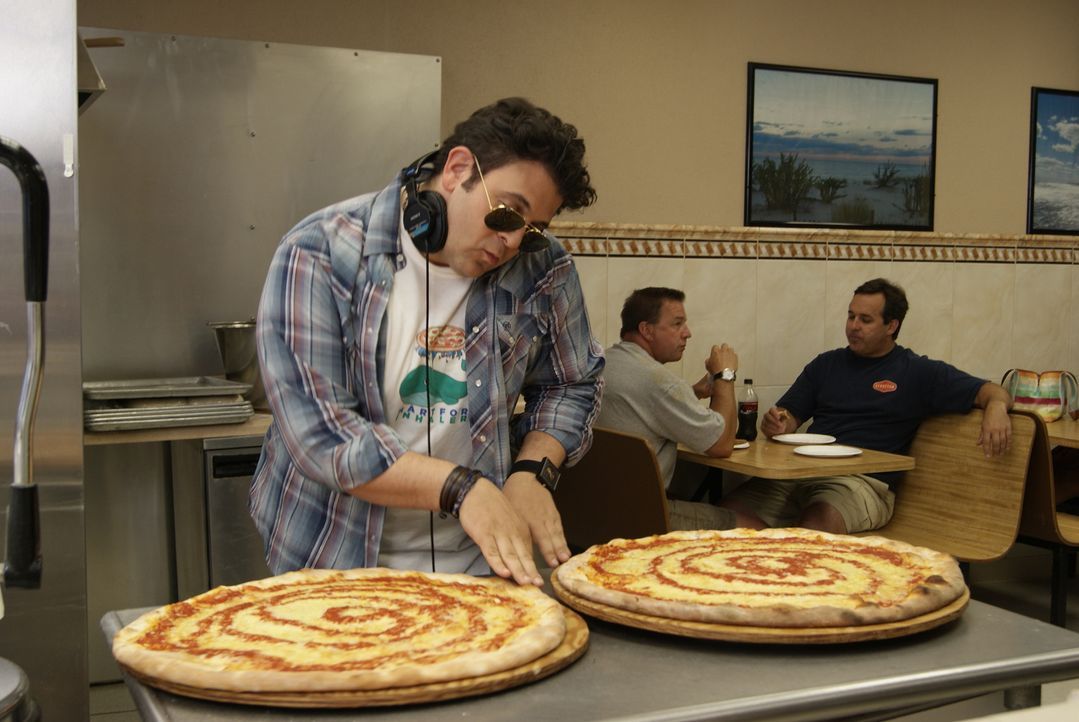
<point x="725" y="375"/>
<point x="546" y="472"/>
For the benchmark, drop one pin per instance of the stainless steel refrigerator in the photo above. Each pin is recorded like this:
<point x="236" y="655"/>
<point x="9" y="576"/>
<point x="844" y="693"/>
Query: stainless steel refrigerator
<point x="44" y="630"/>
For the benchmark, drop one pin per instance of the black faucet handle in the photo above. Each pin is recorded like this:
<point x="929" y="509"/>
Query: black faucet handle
<point x="35" y="201"/>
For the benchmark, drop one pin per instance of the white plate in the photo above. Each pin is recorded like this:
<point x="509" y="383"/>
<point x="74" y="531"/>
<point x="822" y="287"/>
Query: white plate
<point x="803" y="438"/>
<point x="742" y="445"/>
<point x="836" y="450"/>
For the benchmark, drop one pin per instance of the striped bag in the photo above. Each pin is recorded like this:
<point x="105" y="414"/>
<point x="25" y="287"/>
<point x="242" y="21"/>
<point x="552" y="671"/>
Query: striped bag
<point x="1049" y="394"/>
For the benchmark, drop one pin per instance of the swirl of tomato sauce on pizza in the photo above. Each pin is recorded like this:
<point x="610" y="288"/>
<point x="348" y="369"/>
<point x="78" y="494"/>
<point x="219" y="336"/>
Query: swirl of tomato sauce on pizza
<point x="773" y="577"/>
<point x="356" y="629"/>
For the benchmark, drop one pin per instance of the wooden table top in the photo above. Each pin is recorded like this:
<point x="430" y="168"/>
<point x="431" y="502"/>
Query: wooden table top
<point x="773" y="460"/>
<point x="1064" y="432"/>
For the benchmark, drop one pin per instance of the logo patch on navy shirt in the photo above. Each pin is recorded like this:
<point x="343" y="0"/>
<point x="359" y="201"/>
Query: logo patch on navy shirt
<point x="885" y="387"/>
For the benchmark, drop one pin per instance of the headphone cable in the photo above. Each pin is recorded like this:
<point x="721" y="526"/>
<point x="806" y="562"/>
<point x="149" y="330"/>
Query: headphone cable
<point x="427" y="381"/>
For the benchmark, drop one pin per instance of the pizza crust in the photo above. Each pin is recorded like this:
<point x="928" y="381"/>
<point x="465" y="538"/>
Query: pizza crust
<point x="360" y="629"/>
<point x="786" y="578"/>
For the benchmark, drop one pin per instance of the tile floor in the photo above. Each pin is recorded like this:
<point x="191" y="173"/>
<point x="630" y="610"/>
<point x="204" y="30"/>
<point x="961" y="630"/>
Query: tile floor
<point x="1019" y="582"/>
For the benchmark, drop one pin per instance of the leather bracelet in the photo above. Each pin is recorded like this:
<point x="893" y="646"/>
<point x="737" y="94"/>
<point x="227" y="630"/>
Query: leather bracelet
<point x="457" y="485"/>
<point x="466" y="486"/>
<point x="448" y="494"/>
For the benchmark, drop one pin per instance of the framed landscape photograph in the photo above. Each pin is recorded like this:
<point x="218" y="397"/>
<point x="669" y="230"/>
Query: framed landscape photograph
<point x="827" y="148"/>
<point x="1053" y="192"/>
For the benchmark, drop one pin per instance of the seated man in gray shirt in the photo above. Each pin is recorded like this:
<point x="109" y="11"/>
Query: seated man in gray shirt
<point x="642" y="397"/>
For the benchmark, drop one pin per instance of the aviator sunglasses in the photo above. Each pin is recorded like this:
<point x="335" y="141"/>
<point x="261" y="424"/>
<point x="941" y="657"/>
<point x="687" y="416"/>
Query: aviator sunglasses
<point x="503" y="219"/>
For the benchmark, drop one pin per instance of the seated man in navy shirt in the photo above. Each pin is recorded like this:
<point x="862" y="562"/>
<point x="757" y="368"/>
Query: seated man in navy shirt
<point x="874" y="394"/>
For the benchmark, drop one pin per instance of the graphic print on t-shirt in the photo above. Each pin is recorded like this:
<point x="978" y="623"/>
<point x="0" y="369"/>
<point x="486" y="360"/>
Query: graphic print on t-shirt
<point x="440" y="353"/>
<point x="885" y="386"/>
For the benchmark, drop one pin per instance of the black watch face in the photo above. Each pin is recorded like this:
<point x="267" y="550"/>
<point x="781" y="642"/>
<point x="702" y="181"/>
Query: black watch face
<point x="548" y="475"/>
<point x="546" y="472"/>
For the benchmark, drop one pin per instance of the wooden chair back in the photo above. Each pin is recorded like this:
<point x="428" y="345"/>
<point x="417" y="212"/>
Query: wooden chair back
<point x="956" y="500"/>
<point x="614" y="491"/>
<point x="1044" y="526"/>
<point x="1041" y="520"/>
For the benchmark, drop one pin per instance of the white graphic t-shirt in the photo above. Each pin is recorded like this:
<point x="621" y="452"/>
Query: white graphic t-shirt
<point x="427" y="363"/>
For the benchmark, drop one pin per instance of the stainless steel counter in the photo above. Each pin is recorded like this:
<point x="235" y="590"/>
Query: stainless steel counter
<point x="629" y="674"/>
<point x="146" y="520"/>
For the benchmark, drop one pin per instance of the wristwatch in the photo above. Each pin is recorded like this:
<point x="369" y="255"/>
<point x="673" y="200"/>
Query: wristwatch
<point x="725" y="375"/>
<point x="546" y="472"/>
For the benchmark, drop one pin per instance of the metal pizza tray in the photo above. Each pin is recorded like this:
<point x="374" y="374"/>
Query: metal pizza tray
<point x="163" y="388"/>
<point x="179" y="410"/>
<point x="134" y="420"/>
<point x="183" y="412"/>
<point x="167" y="404"/>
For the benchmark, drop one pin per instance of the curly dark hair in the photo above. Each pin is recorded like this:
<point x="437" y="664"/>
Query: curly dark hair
<point x="514" y="129"/>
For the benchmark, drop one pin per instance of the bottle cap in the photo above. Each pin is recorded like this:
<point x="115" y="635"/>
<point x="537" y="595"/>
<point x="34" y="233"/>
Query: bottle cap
<point x="749" y="381"/>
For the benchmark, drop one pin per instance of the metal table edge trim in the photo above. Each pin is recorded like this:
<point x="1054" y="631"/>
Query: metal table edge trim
<point x="866" y="696"/>
<point x="781" y="706"/>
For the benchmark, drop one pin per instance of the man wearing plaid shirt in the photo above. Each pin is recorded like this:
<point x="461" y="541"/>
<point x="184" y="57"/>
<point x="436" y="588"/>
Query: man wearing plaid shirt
<point x="397" y="332"/>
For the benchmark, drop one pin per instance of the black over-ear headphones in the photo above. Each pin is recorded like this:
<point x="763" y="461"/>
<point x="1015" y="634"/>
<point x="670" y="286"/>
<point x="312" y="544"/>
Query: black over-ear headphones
<point x="424" y="211"/>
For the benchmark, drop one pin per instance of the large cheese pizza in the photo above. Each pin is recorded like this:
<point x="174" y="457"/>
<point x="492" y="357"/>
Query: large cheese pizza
<point x="361" y="629"/>
<point x="789" y="578"/>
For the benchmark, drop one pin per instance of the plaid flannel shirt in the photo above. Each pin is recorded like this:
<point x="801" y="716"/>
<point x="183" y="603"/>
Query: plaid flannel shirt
<point x="321" y="349"/>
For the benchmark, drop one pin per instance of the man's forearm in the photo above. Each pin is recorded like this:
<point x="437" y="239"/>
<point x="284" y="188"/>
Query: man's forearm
<point x="703" y="388"/>
<point x="991" y="392"/>
<point x="414" y="481"/>
<point x="538" y="445"/>
<point x="724" y="404"/>
<point x="565" y="413"/>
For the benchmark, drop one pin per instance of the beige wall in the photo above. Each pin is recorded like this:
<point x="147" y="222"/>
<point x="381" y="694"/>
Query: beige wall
<point x="658" y="90"/>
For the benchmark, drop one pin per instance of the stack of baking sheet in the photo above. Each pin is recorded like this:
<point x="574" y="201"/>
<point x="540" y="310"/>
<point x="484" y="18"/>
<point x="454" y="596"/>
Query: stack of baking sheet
<point x="164" y="403"/>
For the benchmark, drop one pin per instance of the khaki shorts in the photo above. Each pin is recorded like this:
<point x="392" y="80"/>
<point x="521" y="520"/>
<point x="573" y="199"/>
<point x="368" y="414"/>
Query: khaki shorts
<point x="864" y="502"/>
<point x="693" y="515"/>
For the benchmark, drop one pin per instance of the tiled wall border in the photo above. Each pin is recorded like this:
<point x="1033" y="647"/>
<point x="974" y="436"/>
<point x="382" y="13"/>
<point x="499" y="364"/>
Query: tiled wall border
<point x="665" y="241"/>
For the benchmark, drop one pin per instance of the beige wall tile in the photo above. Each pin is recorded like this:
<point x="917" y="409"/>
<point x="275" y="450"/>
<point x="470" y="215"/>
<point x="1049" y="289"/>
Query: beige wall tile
<point x="592" y="271"/>
<point x="842" y="278"/>
<point x="982" y="320"/>
<point x="1040" y="329"/>
<point x="769" y="395"/>
<point x="779" y="313"/>
<point x="721" y="302"/>
<point x="790" y="318"/>
<point x="927" y="329"/>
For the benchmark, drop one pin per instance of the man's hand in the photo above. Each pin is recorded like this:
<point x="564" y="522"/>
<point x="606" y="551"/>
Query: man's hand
<point x="489" y="518"/>
<point x="996" y="433"/>
<point x="721" y="357"/>
<point x="778" y="421"/>
<point x="530" y="498"/>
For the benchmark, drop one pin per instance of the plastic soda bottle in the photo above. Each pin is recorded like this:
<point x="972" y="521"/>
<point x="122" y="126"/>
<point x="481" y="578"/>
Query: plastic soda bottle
<point x="747" y="413"/>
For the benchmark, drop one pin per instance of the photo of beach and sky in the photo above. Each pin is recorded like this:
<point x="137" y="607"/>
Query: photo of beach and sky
<point x="1054" y="187"/>
<point x="830" y="149"/>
